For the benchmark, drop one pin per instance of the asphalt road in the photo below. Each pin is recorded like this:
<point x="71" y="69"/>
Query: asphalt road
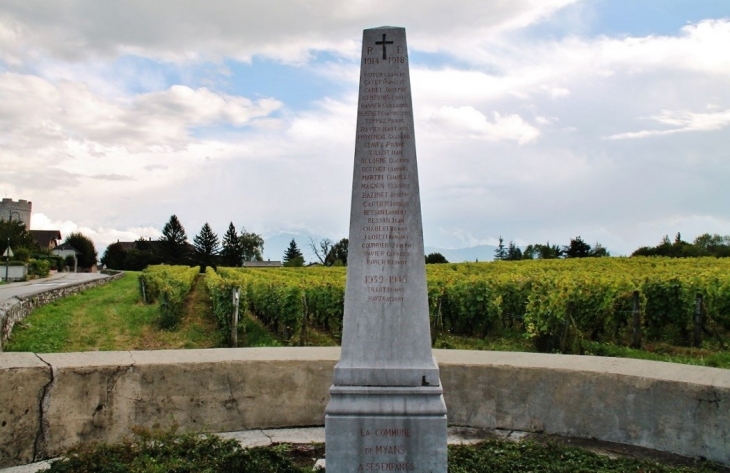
<point x="8" y="291"/>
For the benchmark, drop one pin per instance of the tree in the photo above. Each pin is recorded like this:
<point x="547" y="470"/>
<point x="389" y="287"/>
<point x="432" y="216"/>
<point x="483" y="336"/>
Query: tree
<point x="530" y="252"/>
<point x="232" y="252"/>
<point x="513" y="252"/>
<point x="18" y="235"/>
<point x="114" y="256"/>
<point x="252" y="246"/>
<point x="436" y="258"/>
<point x="292" y="255"/>
<point x="321" y="250"/>
<point x="174" y="242"/>
<point x="206" y="247"/>
<point x="500" y="253"/>
<point x="337" y="255"/>
<point x="599" y="251"/>
<point x="577" y="248"/>
<point x="84" y="245"/>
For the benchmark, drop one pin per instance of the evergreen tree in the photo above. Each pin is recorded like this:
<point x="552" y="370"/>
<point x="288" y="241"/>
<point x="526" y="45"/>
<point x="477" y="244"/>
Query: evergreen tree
<point x="84" y="245"/>
<point x="206" y="247"/>
<point x="500" y="253"/>
<point x="252" y="246"/>
<point x="174" y="242"/>
<point x="514" y="253"/>
<point x="232" y="252"/>
<point x="292" y="255"/>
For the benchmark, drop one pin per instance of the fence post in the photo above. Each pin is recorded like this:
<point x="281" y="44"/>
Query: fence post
<point x="636" y="339"/>
<point x="566" y="325"/>
<point x="144" y="290"/>
<point x="698" y="321"/>
<point x="234" y="320"/>
<point x="305" y="316"/>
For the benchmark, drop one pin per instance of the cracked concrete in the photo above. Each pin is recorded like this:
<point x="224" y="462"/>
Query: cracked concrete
<point x="57" y="400"/>
<point x="39" y="446"/>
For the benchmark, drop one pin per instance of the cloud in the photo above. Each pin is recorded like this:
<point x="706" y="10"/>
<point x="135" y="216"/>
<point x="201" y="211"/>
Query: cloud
<point x="470" y="122"/>
<point x="684" y="121"/>
<point x="38" y="112"/>
<point x="101" y="236"/>
<point x="190" y="31"/>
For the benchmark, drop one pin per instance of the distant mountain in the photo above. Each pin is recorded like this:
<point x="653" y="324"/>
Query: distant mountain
<point x="276" y="245"/>
<point x="461" y="255"/>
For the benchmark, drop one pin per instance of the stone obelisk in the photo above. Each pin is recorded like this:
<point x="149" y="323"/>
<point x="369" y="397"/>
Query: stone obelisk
<point x="386" y="409"/>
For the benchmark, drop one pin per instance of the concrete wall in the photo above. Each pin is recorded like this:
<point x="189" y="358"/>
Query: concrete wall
<point x="15" y="272"/>
<point x="57" y="400"/>
<point x="17" y="308"/>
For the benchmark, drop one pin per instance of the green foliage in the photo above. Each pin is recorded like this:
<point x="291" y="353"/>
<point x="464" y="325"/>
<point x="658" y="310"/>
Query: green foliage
<point x="704" y="245"/>
<point x="577" y="248"/>
<point x="293" y="256"/>
<point x="38" y="268"/>
<point x="559" y="305"/>
<point x="497" y="456"/>
<point x="174" y="242"/>
<point x="500" y="253"/>
<point x="87" y="253"/>
<point x="114" y="256"/>
<point x="168" y="285"/>
<point x="436" y="258"/>
<point x="252" y="246"/>
<point x="337" y="255"/>
<point x="232" y="252"/>
<point x="206" y="247"/>
<point x="165" y="451"/>
<point x="17" y="235"/>
<point x="514" y="253"/>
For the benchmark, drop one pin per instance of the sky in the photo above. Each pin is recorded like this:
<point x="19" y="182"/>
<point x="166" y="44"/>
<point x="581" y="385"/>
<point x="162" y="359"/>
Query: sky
<point x="535" y="120"/>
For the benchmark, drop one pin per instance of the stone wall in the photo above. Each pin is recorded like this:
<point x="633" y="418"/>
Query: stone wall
<point x="57" y="400"/>
<point x="17" y="308"/>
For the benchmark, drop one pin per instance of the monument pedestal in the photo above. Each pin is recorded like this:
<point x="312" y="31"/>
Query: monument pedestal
<point x="377" y="428"/>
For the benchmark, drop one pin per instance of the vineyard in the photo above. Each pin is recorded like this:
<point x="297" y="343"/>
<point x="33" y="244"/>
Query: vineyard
<point x="168" y="286"/>
<point x="558" y="304"/>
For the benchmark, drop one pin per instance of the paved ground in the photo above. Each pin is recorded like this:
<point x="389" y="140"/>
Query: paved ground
<point x="8" y="291"/>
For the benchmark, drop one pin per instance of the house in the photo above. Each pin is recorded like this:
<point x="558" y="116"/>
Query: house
<point x="262" y="264"/>
<point x="66" y="250"/>
<point x="46" y="239"/>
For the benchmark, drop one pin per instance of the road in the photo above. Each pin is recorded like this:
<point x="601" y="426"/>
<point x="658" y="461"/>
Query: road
<point x="8" y="291"/>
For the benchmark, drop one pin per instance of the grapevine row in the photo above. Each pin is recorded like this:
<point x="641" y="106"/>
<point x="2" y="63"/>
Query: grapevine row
<point x="593" y="298"/>
<point x="167" y="285"/>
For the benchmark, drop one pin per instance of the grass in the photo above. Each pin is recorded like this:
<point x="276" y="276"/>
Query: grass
<point x="112" y="317"/>
<point x="153" y="452"/>
<point x="512" y="340"/>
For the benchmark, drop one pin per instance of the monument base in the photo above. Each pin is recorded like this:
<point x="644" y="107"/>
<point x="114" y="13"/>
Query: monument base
<point x="372" y="428"/>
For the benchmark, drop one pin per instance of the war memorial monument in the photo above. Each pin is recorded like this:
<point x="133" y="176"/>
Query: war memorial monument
<point x="386" y="409"/>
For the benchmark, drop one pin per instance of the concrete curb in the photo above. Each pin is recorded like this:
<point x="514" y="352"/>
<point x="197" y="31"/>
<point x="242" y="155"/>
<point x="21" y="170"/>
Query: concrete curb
<point x="57" y="400"/>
